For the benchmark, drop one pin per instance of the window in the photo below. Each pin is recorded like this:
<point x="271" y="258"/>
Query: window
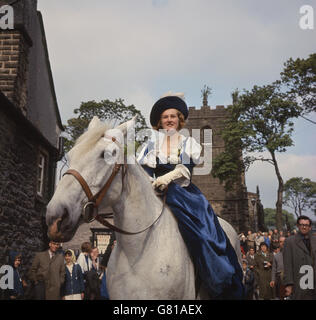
<point x="41" y="173"/>
<point x="206" y="139"/>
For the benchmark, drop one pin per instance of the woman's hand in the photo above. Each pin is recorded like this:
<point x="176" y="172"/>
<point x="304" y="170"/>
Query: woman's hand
<point x="161" y="183"/>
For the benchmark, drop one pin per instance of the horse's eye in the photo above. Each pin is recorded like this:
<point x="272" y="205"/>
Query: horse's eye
<point x="114" y="153"/>
<point x="102" y="154"/>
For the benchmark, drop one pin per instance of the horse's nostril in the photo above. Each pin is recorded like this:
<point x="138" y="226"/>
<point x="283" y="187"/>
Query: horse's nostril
<point x="66" y="214"/>
<point x="59" y="224"/>
<point x="62" y="219"/>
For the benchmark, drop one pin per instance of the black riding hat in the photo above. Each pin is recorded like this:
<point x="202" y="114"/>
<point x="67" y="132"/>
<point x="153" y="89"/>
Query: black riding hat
<point x="169" y="102"/>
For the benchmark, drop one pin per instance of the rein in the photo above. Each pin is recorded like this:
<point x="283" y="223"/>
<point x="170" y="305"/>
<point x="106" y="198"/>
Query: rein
<point x="90" y="209"/>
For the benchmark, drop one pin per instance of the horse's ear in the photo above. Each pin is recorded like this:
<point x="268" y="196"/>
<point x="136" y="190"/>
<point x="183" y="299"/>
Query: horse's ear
<point x="124" y="127"/>
<point x="94" y="123"/>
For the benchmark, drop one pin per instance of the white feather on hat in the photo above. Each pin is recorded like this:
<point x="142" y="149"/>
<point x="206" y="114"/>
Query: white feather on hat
<point x="173" y="94"/>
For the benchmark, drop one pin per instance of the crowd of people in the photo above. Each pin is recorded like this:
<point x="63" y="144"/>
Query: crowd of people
<point x="271" y="262"/>
<point x="57" y="274"/>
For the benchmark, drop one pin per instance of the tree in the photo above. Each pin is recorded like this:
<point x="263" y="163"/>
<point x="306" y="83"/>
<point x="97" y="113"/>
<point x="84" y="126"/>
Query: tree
<point x="300" y="194"/>
<point x="300" y="78"/>
<point x="105" y="110"/>
<point x="259" y="120"/>
<point x="288" y="219"/>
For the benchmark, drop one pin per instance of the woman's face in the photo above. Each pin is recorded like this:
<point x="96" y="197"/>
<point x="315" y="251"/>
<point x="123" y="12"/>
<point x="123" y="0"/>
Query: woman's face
<point x="264" y="248"/>
<point x="170" y="119"/>
<point x="68" y="258"/>
<point x="17" y="262"/>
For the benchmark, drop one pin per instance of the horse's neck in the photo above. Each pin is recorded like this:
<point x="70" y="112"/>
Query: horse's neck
<point x="137" y="209"/>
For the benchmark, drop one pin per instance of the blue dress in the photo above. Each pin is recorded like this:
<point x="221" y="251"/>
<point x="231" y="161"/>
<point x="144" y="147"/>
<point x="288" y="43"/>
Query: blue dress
<point x="214" y="258"/>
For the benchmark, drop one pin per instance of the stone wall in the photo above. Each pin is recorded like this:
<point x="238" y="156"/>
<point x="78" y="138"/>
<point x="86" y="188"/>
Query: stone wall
<point x="22" y="211"/>
<point x="83" y="234"/>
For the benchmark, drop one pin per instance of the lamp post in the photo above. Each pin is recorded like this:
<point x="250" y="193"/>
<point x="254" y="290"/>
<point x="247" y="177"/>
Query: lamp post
<point x="255" y="215"/>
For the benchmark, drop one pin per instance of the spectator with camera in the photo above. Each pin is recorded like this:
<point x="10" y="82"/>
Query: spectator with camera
<point x="263" y="266"/>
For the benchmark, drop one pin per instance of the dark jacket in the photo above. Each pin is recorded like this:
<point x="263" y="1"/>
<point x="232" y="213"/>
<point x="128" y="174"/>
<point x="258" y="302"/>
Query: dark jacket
<point x="296" y="255"/>
<point x="249" y="281"/>
<point x="103" y="290"/>
<point x="74" y="283"/>
<point x="93" y="289"/>
<point x="17" y="290"/>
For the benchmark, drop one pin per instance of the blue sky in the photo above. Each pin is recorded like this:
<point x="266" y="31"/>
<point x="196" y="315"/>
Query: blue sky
<point x="137" y="50"/>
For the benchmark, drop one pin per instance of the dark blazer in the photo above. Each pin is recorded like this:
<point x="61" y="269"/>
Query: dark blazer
<point x="295" y="255"/>
<point x="74" y="283"/>
<point x="50" y="271"/>
<point x="249" y="281"/>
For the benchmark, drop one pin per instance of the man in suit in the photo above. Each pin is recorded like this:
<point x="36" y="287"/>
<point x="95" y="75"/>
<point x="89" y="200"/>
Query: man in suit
<point x="48" y="273"/>
<point x="250" y="257"/>
<point x="278" y="270"/>
<point x="251" y="240"/>
<point x="299" y="250"/>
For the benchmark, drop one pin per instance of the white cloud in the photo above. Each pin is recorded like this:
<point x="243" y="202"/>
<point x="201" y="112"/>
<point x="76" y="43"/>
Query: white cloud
<point x="102" y="48"/>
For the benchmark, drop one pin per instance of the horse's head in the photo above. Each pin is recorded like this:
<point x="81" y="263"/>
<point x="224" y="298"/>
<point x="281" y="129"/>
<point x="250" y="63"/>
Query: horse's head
<point x="93" y="156"/>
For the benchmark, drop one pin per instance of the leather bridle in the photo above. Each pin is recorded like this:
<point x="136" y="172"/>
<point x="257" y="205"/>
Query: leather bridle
<point x="90" y="208"/>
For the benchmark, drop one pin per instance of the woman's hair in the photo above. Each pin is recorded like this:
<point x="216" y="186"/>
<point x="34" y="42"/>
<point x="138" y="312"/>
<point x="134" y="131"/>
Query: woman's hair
<point x="86" y="247"/>
<point x="68" y="253"/>
<point x="181" y="122"/>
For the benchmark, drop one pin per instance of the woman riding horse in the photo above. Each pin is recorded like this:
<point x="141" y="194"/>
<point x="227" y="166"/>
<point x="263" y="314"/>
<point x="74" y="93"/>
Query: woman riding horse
<point x="170" y="158"/>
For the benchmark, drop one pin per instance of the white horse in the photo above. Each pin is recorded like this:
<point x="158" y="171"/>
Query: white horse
<point x="153" y="264"/>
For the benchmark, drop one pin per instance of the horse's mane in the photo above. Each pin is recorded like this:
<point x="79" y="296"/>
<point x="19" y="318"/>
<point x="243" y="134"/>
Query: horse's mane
<point x="88" y="139"/>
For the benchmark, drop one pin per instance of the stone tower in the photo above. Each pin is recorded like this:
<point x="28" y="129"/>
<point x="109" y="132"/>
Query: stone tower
<point x="231" y="206"/>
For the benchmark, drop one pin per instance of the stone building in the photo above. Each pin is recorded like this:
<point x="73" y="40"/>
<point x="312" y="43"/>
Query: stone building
<point x="30" y="127"/>
<point x="234" y="206"/>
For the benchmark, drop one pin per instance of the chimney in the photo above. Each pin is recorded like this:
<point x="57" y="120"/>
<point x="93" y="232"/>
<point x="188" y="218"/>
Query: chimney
<point x="14" y="53"/>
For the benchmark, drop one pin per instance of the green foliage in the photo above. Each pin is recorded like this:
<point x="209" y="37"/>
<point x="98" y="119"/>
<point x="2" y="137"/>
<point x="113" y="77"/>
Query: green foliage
<point x="260" y="120"/>
<point x="288" y="220"/>
<point x="300" y="194"/>
<point x="105" y="110"/>
<point x="300" y="78"/>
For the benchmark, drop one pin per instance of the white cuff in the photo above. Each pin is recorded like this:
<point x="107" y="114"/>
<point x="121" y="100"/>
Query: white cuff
<point x="184" y="180"/>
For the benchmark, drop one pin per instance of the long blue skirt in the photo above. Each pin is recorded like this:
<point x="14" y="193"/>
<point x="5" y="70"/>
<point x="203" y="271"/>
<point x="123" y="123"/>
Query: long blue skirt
<point x="213" y="255"/>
